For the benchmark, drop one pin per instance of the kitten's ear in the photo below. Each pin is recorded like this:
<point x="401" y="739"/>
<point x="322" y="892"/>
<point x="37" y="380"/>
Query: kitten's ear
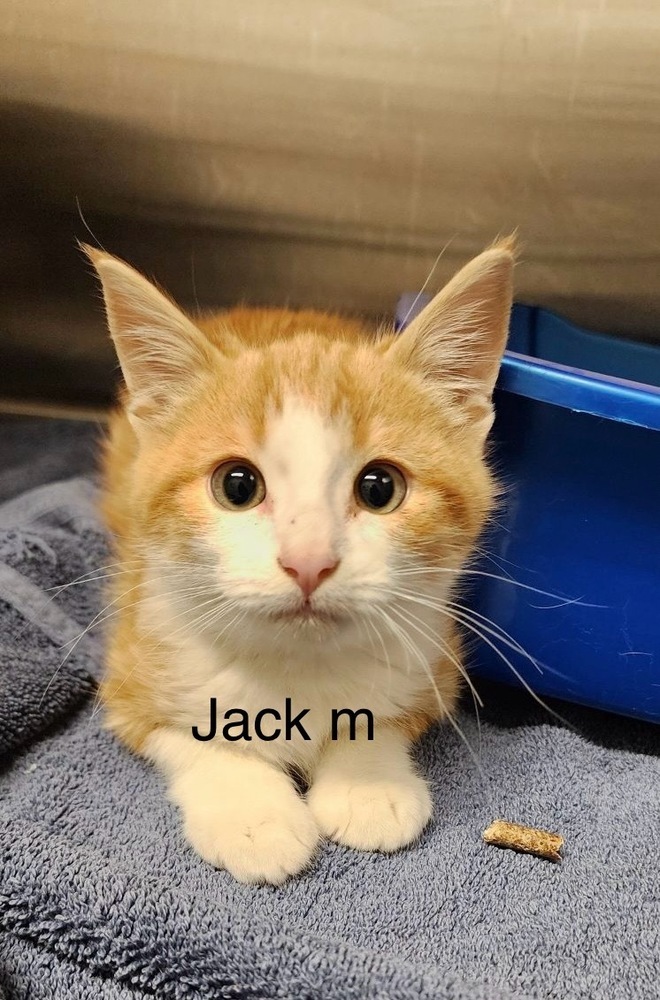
<point x="161" y="352"/>
<point x="458" y="340"/>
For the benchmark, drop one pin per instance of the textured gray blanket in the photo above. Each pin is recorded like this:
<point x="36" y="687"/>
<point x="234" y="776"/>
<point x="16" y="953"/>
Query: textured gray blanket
<point x="100" y="896"/>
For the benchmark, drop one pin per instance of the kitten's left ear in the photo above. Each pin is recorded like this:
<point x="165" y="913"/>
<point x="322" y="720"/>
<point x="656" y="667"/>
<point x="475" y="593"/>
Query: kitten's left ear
<point x="457" y="341"/>
<point x="161" y="352"/>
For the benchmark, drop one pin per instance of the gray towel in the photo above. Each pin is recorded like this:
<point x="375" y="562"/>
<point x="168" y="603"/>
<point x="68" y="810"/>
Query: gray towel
<point x="48" y="536"/>
<point x="101" y="897"/>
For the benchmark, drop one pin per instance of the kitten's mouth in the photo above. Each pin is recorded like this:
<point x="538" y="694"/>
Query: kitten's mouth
<point x="304" y="613"/>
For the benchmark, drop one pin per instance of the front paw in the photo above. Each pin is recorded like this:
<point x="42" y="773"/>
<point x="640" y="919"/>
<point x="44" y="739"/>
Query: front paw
<point x="371" y="815"/>
<point x="264" y="835"/>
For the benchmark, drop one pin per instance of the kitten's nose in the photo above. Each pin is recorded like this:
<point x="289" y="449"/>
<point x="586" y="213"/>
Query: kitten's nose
<point x="309" y="571"/>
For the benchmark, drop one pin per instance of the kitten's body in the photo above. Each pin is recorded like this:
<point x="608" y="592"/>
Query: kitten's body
<point x="209" y="602"/>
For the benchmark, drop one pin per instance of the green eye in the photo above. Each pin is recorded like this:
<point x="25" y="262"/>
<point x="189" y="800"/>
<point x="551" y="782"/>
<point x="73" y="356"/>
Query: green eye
<point x="237" y="485"/>
<point x="380" y="488"/>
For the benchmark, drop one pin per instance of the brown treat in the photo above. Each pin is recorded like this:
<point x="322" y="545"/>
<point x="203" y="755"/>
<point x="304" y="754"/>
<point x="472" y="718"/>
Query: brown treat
<point x="524" y="838"/>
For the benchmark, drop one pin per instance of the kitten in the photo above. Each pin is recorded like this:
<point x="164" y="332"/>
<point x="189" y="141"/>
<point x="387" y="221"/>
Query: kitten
<point x="292" y="497"/>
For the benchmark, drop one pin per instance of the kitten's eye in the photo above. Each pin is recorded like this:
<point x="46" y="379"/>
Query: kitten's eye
<point x="380" y="488"/>
<point x="237" y="486"/>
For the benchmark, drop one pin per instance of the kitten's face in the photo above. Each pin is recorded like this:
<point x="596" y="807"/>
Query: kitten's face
<point x="312" y="480"/>
<point x="309" y="500"/>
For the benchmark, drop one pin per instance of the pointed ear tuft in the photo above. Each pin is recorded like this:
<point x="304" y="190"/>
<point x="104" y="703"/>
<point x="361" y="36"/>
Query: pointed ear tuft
<point x="457" y="341"/>
<point x="507" y="244"/>
<point x="161" y="352"/>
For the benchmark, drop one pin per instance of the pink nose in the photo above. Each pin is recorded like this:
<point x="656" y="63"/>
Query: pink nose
<point x="309" y="571"/>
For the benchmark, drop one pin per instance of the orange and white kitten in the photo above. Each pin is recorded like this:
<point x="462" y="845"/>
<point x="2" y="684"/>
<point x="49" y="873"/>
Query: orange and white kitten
<point x="292" y="497"/>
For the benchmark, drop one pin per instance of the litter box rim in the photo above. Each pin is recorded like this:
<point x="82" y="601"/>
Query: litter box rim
<point x="581" y="391"/>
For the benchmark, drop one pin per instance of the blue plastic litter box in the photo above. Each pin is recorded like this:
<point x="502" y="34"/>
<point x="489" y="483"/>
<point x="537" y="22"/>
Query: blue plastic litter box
<point x="577" y="442"/>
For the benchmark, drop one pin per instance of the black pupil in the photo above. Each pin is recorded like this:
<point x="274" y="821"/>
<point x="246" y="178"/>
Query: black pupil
<point x="376" y="488"/>
<point x="240" y="485"/>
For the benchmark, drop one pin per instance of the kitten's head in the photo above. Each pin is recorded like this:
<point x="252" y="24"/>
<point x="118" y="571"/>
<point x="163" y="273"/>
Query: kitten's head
<point x="313" y="471"/>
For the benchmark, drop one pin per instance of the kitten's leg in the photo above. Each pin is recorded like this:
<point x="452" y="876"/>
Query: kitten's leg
<point x="366" y="794"/>
<point x="239" y="812"/>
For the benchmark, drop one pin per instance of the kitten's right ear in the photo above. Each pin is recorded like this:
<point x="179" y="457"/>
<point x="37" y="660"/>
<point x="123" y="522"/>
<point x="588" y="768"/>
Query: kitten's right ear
<point x="456" y="343"/>
<point x="161" y="352"/>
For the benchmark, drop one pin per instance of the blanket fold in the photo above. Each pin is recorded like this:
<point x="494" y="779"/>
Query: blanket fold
<point x="52" y="550"/>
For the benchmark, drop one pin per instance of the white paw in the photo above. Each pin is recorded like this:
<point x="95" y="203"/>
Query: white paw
<point x="372" y="815"/>
<point x="260" y="832"/>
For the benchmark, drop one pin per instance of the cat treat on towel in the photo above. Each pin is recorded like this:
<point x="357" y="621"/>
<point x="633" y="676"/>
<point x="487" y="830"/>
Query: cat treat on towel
<point x="293" y="496"/>
<point x="527" y="839"/>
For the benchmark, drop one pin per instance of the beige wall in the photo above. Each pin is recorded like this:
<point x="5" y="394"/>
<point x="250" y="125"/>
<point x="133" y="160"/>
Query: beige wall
<point x="326" y="152"/>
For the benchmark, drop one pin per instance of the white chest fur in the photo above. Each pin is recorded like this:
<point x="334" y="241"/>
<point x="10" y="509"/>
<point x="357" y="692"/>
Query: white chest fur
<point x="316" y="678"/>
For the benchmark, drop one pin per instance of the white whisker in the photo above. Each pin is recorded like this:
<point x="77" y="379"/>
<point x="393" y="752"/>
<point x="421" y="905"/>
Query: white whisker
<point x="484" y="638"/>
<point x="398" y="632"/>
